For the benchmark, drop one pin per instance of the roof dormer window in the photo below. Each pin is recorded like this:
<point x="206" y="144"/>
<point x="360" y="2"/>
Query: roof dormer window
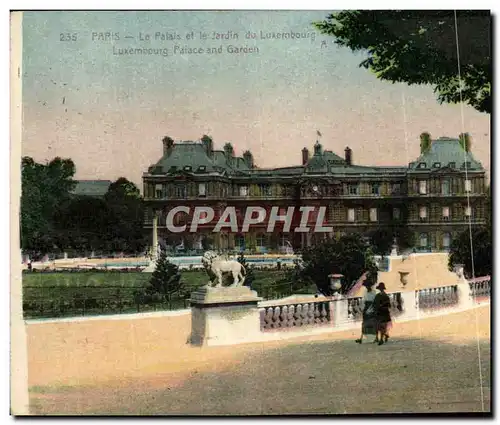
<point x="437" y="165"/>
<point x="187" y="168"/>
<point x="202" y="168"/>
<point x="452" y="165"/>
<point x="422" y="165"/>
<point x="466" y="164"/>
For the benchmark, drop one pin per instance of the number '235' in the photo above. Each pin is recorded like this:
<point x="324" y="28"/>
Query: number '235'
<point x="66" y="36"/>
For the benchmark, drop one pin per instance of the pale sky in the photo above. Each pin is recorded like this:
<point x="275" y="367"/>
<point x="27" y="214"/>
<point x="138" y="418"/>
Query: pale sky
<point x="109" y="112"/>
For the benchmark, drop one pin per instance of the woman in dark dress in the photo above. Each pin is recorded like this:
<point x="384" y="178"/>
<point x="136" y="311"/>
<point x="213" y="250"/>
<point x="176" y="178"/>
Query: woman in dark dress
<point x="382" y="305"/>
<point x="369" y="325"/>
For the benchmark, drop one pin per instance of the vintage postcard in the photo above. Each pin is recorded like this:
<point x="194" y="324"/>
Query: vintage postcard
<point x="251" y="212"/>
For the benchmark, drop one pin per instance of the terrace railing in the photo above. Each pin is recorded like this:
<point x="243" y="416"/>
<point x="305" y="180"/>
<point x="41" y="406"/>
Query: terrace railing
<point x="480" y="287"/>
<point x="296" y="315"/>
<point x="430" y="298"/>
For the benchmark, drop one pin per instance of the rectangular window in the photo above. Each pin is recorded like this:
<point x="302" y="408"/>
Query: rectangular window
<point x="446" y="213"/>
<point x="373" y="214"/>
<point x="422" y="187"/>
<point x="468" y="186"/>
<point x="158" y="191"/>
<point x="423" y="212"/>
<point x="180" y="191"/>
<point x="396" y="188"/>
<point x="445" y="187"/>
<point x="202" y="189"/>
<point x="396" y="213"/>
<point x="265" y="190"/>
<point x="351" y="214"/>
<point x="423" y="240"/>
<point x="375" y="189"/>
<point x="468" y="211"/>
<point x="243" y="190"/>
<point x="353" y="189"/>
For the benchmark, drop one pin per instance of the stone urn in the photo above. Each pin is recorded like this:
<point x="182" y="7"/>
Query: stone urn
<point x="335" y="282"/>
<point x="403" y="278"/>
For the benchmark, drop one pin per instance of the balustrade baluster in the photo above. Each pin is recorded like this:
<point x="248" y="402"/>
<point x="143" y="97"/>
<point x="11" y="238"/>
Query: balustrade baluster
<point x="298" y="315"/>
<point x="324" y="312"/>
<point x="305" y="314"/>
<point x="291" y="316"/>
<point x="276" y="317"/>
<point x="284" y="316"/>
<point x="317" y="313"/>
<point x="310" y="314"/>
<point x="268" y="319"/>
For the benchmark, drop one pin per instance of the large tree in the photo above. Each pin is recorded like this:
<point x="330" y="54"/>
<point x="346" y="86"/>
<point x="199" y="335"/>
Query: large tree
<point x="126" y="216"/>
<point x="420" y="47"/>
<point x="348" y="255"/>
<point x="82" y="224"/>
<point x="45" y="188"/>
<point x="461" y="252"/>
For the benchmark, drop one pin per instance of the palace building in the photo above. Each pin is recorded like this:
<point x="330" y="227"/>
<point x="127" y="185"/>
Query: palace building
<point x="431" y="199"/>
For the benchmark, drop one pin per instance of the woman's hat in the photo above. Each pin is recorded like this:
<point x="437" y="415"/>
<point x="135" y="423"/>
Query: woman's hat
<point x="381" y="286"/>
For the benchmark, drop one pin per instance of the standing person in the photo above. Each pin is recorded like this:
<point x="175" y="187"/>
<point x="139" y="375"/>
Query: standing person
<point x="382" y="305"/>
<point x="369" y="325"/>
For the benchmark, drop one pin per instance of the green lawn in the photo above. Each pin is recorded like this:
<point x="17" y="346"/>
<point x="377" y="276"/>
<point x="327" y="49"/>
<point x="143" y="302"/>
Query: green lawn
<point x="48" y="295"/>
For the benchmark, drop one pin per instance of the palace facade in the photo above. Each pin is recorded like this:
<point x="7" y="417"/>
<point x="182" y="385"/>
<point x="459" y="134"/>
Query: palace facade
<point x="432" y="199"/>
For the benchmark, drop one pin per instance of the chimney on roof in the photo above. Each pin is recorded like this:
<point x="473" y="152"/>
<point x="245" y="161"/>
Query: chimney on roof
<point x="168" y="144"/>
<point x="425" y="142"/>
<point x="248" y="157"/>
<point x="465" y="141"/>
<point x="305" y="156"/>
<point x="348" y="155"/>
<point x="208" y="144"/>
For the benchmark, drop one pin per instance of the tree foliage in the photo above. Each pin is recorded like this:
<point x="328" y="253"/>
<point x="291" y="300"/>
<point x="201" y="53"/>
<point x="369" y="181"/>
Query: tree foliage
<point x="54" y="219"/>
<point x="126" y="216"/>
<point x="460" y="252"/>
<point x="381" y="240"/>
<point x="166" y="279"/>
<point x="420" y="47"/>
<point x="44" y="189"/>
<point x="349" y="255"/>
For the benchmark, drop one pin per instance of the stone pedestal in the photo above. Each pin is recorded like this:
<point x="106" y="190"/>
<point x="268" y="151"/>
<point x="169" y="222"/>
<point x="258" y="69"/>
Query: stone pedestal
<point x="224" y="316"/>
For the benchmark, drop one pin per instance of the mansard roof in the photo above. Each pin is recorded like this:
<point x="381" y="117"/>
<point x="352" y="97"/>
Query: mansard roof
<point x="446" y="152"/>
<point x="195" y="157"/>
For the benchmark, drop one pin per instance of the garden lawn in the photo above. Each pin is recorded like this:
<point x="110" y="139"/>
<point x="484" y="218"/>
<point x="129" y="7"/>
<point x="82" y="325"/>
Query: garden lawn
<point x="58" y="294"/>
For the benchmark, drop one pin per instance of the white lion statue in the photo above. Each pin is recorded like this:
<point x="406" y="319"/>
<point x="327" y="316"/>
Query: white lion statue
<point x="217" y="266"/>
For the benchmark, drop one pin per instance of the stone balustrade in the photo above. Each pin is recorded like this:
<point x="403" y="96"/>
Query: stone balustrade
<point x="339" y="312"/>
<point x="480" y="287"/>
<point x="242" y="319"/>
<point x="431" y="298"/>
<point x="295" y="315"/>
